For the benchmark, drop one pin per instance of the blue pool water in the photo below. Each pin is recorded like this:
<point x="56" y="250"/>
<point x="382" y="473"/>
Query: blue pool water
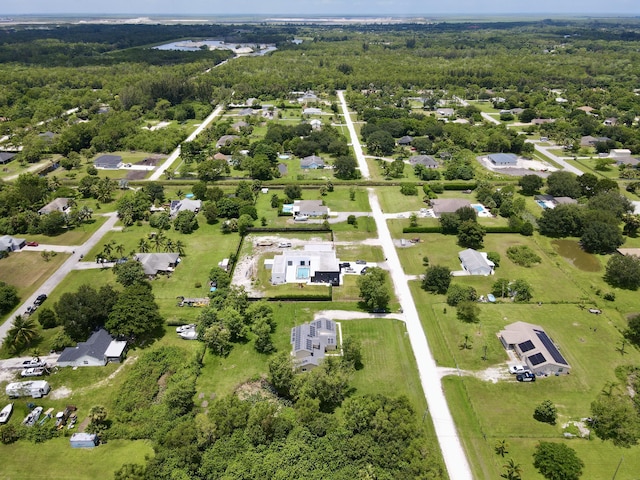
<point x="478" y="208"/>
<point x="541" y="203"/>
<point x="303" y="273"/>
<point x="189" y="195"/>
<point x="287" y="208"/>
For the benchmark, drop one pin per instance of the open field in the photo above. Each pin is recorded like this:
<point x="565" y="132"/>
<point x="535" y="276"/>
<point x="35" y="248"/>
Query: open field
<point x="55" y="459"/>
<point x="75" y="236"/>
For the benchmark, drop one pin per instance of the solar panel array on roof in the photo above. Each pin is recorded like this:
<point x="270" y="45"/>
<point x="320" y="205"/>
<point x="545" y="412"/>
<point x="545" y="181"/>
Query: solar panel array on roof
<point x="551" y="348"/>
<point x="537" y="359"/>
<point x="526" y="346"/>
<point x="312" y="330"/>
<point x="309" y="344"/>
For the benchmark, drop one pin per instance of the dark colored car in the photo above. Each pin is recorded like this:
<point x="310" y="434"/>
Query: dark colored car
<point x="40" y="299"/>
<point x="361" y="262"/>
<point x="526" y="377"/>
<point x="364" y="270"/>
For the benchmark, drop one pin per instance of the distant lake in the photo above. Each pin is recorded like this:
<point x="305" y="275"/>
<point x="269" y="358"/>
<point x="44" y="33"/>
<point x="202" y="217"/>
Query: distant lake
<point x="571" y="251"/>
<point x="194" y="46"/>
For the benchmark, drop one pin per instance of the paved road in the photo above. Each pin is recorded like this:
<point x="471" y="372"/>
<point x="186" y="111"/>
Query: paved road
<point x="489" y="118"/>
<point x="559" y="160"/>
<point x="54" y="280"/>
<point x="176" y="153"/>
<point x="454" y="455"/>
<point x="355" y="141"/>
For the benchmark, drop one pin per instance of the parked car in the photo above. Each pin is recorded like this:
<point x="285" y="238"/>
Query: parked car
<point x="364" y="270"/>
<point x="40" y="299"/>
<point x="34" y="362"/>
<point x="32" y="244"/>
<point x="518" y="369"/>
<point x="31" y="309"/>
<point x="32" y="372"/>
<point x="526" y="377"/>
<point x="596" y="311"/>
<point x="361" y="262"/>
<point x="284" y="245"/>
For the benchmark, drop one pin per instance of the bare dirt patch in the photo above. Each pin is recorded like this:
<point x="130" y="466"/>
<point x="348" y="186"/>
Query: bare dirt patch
<point x="60" y="392"/>
<point x="152" y="161"/>
<point x="136" y="174"/>
<point x="258" y="389"/>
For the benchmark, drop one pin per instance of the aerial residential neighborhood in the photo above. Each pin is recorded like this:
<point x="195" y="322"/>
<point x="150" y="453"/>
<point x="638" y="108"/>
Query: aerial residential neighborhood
<point x="320" y="248"/>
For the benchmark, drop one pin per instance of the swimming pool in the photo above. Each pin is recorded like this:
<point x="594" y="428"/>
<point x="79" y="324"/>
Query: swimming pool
<point x="478" y="208"/>
<point x="302" y="273"/>
<point x="284" y="156"/>
<point x="541" y="203"/>
<point x="287" y="208"/>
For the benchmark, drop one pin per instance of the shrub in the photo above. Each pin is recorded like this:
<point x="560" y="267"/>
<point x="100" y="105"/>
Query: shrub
<point x="408" y="189"/>
<point x="522" y="255"/>
<point x="546" y="412"/>
<point x="460" y="293"/>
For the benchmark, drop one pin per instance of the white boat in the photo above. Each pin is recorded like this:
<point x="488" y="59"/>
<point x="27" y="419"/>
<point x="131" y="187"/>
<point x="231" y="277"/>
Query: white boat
<point x="188" y="335"/>
<point x="5" y="413"/>
<point x="185" y="328"/>
<point x="33" y="417"/>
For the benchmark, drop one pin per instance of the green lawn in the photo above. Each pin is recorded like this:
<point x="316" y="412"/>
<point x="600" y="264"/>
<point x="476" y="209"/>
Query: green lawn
<point x="75" y="236"/>
<point x="56" y="460"/>
<point x="392" y="201"/>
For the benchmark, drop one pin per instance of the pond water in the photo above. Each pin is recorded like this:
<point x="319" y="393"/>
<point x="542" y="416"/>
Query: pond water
<point x="571" y="251"/>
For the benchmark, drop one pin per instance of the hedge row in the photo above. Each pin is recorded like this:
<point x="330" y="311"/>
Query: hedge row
<point x="438" y="229"/>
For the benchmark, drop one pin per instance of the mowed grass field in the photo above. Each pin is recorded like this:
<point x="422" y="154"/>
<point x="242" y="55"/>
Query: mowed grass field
<point x="487" y="412"/>
<point x="52" y="460"/>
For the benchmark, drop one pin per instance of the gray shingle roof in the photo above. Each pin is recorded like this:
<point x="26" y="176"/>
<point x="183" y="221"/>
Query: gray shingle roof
<point x="95" y="347"/>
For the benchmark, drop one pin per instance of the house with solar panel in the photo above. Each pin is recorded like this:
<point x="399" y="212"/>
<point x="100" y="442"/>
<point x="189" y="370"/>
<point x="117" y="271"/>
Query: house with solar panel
<point x="535" y="348"/>
<point x="311" y="341"/>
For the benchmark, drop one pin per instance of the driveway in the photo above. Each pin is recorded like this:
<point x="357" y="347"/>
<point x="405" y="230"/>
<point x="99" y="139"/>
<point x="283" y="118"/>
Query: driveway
<point x="176" y="153"/>
<point x="355" y="141"/>
<point x="454" y="455"/>
<point x="559" y="160"/>
<point x="54" y="280"/>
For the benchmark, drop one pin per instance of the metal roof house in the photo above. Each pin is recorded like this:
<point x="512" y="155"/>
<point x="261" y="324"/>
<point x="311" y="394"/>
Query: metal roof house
<point x="317" y="263"/>
<point x="60" y="204"/>
<point x="310" y="342"/>
<point x="406" y="140"/>
<point x="476" y="263"/>
<point x="534" y="347"/>
<point x="312" y="162"/>
<point x="99" y="349"/>
<point x="11" y="244"/>
<point x="108" y="162"/>
<point x="155" y="263"/>
<point x="503" y="159"/>
<point x="6" y="157"/>
<point x="448" y="205"/>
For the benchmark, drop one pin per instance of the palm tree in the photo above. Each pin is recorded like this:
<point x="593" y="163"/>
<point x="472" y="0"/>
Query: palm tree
<point x="501" y="448"/>
<point x="85" y="213"/>
<point x="143" y="246"/>
<point x="169" y="245"/>
<point x="107" y="248"/>
<point x="180" y="193"/>
<point x="120" y="250"/>
<point x="158" y="240"/>
<point x="179" y="246"/>
<point x="22" y="333"/>
<point x="513" y="470"/>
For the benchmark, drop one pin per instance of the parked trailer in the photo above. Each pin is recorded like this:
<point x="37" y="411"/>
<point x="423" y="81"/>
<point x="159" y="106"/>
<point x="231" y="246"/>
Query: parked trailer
<point x="33" y="388"/>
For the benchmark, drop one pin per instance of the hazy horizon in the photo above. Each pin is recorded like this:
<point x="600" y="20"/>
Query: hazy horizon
<point x="331" y="8"/>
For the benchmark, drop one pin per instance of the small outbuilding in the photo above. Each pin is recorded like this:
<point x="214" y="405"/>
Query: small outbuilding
<point x="6" y="157"/>
<point x="11" y="244"/>
<point x="83" y="440"/>
<point x="108" y="162"/>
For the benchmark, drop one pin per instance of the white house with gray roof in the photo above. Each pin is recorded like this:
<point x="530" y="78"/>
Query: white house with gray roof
<point x="311" y="341"/>
<point x="60" y="204"/>
<point x="99" y="349"/>
<point x="475" y="263"/>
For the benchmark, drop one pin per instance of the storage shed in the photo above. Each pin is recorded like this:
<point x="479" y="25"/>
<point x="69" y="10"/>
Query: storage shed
<point x="83" y="440"/>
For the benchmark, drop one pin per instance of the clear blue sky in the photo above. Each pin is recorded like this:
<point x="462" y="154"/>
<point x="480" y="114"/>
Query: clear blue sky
<point x="322" y="7"/>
